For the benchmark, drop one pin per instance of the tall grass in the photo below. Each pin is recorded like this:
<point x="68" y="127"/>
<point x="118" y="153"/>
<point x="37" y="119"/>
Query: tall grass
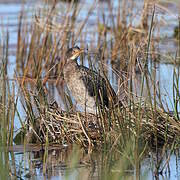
<point x="4" y="117"/>
<point x="8" y="104"/>
<point x="126" y="132"/>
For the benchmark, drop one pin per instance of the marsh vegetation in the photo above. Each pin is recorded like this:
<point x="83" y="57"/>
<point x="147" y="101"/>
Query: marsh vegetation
<point x="124" y="41"/>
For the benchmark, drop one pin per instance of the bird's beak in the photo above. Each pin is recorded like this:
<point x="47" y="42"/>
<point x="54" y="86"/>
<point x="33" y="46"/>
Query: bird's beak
<point x="77" y="54"/>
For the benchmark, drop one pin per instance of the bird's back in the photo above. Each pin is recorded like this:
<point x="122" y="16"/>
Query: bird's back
<point x="97" y="86"/>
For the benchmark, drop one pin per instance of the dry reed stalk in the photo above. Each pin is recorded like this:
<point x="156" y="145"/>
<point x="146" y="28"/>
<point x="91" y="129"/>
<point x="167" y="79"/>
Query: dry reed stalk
<point x="72" y="127"/>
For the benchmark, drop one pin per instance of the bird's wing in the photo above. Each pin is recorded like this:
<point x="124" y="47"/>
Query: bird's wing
<point x="95" y="84"/>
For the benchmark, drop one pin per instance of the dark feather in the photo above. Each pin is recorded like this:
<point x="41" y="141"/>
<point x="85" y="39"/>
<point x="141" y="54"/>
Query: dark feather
<point x="95" y="84"/>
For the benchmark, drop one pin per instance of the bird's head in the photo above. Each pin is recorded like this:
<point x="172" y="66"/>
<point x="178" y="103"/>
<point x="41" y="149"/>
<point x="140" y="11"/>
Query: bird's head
<point x="73" y="52"/>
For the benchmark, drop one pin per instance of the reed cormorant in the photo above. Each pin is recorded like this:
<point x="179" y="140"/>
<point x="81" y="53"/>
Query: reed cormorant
<point x="89" y="89"/>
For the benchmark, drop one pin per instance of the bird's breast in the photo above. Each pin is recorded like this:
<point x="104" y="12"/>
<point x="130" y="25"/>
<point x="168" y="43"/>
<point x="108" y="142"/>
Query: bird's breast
<point x="76" y="86"/>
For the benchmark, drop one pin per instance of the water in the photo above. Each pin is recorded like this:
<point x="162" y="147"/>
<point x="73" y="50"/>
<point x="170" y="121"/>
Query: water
<point x="30" y="161"/>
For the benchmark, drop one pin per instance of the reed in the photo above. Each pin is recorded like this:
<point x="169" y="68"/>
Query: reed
<point x="124" y="133"/>
<point x="8" y="107"/>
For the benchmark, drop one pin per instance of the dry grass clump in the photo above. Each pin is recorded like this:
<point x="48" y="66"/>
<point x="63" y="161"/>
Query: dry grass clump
<point x="61" y="127"/>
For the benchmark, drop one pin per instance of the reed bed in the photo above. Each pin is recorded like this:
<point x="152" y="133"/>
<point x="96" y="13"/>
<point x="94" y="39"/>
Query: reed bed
<point x="128" y="50"/>
<point x="138" y="123"/>
<point x="88" y="129"/>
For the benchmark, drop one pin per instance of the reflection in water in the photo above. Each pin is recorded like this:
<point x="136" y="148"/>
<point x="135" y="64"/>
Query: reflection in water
<point x="74" y="163"/>
<point x="55" y="163"/>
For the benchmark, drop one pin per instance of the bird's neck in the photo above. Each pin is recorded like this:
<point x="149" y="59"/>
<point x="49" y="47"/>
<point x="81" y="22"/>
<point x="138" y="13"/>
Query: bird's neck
<point x="70" y="63"/>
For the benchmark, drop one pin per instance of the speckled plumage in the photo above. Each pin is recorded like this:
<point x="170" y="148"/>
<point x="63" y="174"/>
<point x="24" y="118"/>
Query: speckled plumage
<point x="87" y="86"/>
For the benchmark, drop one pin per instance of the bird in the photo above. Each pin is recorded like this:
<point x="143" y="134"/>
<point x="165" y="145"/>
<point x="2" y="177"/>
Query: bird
<point x="89" y="89"/>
